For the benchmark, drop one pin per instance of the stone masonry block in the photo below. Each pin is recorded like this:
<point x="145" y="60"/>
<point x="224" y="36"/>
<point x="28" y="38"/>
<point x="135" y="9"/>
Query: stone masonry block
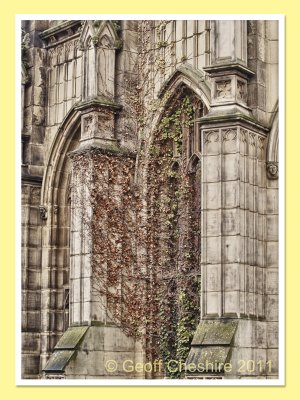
<point x="271" y="281"/>
<point x="259" y="280"/>
<point x="273" y="362"/>
<point x="230" y="249"/>
<point x="231" y="167"/>
<point x="231" y="277"/>
<point x="212" y="252"/>
<point x="211" y="168"/>
<point x="272" y="335"/>
<point x="231" y="302"/>
<point x="211" y="195"/>
<point x="271" y="302"/>
<point x="260" y="253"/>
<point x="229" y="141"/>
<point x="212" y="223"/>
<point x="272" y="201"/>
<point x="250" y="303"/>
<point x="230" y="195"/>
<point x="213" y="303"/>
<point x="212" y="143"/>
<point x="212" y="274"/>
<point x="272" y="227"/>
<point x="272" y="254"/>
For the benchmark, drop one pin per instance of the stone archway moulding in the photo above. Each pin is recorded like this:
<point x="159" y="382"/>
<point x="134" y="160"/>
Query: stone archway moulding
<point x="272" y="149"/>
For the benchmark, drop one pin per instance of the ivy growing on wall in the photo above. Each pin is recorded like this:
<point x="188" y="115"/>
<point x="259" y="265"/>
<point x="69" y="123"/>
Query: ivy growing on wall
<point x="143" y="239"/>
<point x="175" y="212"/>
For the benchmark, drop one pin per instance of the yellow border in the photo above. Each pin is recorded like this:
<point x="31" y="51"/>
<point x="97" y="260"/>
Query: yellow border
<point x="8" y="10"/>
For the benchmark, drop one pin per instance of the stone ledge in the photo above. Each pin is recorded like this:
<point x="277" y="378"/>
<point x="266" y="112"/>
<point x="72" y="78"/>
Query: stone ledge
<point x="111" y="149"/>
<point x="65" y="349"/>
<point x="211" y="348"/>
<point x="229" y="68"/>
<point x="232" y="118"/>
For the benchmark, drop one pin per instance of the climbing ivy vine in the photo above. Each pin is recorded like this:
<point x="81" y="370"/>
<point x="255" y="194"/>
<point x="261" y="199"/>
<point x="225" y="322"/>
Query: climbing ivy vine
<point x="145" y="238"/>
<point x="172" y="210"/>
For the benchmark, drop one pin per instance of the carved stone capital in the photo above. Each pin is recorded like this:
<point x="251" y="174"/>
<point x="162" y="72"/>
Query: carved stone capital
<point x="272" y="169"/>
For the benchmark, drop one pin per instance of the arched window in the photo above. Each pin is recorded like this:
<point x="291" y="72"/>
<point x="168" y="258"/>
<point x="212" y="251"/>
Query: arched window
<point x="174" y="183"/>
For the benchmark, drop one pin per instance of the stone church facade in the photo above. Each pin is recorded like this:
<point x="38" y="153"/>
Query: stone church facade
<point x="149" y="199"/>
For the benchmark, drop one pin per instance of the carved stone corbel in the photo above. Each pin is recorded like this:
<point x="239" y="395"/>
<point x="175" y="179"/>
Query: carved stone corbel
<point x="272" y="169"/>
<point x="43" y="212"/>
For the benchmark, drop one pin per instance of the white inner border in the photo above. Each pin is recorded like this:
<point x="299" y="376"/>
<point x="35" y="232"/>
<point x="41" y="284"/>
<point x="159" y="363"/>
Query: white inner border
<point x="156" y="382"/>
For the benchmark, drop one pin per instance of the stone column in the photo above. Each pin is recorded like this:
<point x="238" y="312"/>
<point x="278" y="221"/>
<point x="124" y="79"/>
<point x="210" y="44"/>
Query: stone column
<point x="97" y="132"/>
<point x="93" y="322"/>
<point x="228" y="42"/>
<point x="233" y="213"/>
<point x="232" y="221"/>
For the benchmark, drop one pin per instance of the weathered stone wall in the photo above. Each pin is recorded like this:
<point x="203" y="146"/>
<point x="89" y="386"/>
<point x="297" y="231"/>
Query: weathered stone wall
<point x="64" y="78"/>
<point x="108" y="85"/>
<point x="33" y="132"/>
<point x="31" y="280"/>
<point x="262" y="47"/>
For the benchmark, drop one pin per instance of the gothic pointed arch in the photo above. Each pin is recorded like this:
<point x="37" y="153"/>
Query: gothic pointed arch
<point x="193" y="162"/>
<point x="55" y="212"/>
<point x="62" y="143"/>
<point x="188" y="85"/>
<point x="174" y="207"/>
<point x="184" y="78"/>
<point x="190" y="77"/>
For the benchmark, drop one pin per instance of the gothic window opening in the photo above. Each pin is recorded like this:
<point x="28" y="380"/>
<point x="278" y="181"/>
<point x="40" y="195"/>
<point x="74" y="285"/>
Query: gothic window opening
<point x="175" y="204"/>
